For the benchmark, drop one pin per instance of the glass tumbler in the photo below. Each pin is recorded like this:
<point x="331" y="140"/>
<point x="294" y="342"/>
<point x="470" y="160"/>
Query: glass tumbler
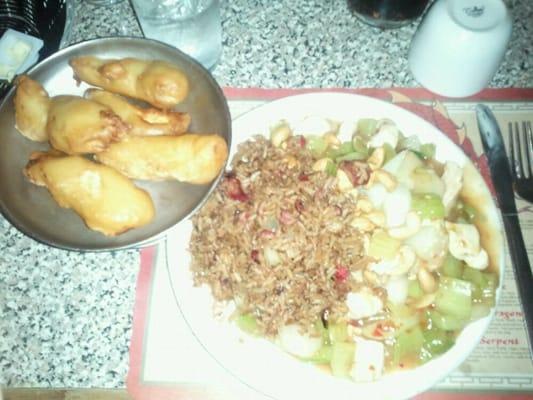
<point x="193" y="26"/>
<point x="388" y="13"/>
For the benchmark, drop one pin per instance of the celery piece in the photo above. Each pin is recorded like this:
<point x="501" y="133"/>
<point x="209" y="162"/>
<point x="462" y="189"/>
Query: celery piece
<point x="427" y="150"/>
<point x="399" y="310"/>
<point x="331" y="168"/>
<point x="426" y="180"/>
<point x="367" y="126"/>
<point x="389" y="152"/>
<point x="452" y="267"/>
<point x="427" y="205"/>
<point x="414" y="290"/>
<point x="475" y="276"/>
<point x="322" y="356"/>
<point x="383" y="246"/>
<point x="489" y="291"/>
<point x="360" y="145"/>
<point x="247" y="323"/>
<point x="410" y="143"/>
<point x="478" y="281"/>
<point x="321" y="330"/>
<point x="353" y="156"/>
<point x="484" y="283"/>
<point x="338" y="332"/>
<point x="316" y="145"/>
<point x="445" y="322"/>
<point x="480" y="310"/>
<point x="454" y="297"/>
<point x="437" y="341"/>
<point x="342" y="355"/>
<point x="469" y="213"/>
<point x="339" y="151"/>
<point x="408" y="344"/>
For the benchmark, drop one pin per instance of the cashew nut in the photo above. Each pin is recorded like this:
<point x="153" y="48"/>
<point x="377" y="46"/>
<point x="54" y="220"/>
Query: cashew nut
<point x="427" y="281"/>
<point x="343" y="181"/>
<point x="321" y="165"/>
<point x="362" y="224"/>
<point x="364" y="205"/>
<point x="331" y="139"/>
<point x="280" y="133"/>
<point x="411" y="226"/>
<point x="377" y="218"/>
<point x="385" y="178"/>
<point x="376" y="159"/>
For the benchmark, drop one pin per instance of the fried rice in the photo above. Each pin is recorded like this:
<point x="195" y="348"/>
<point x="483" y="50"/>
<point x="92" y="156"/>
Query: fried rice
<point x="275" y="238"/>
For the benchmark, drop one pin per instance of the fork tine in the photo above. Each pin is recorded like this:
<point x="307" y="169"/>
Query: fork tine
<point x="514" y="169"/>
<point x="528" y="136"/>
<point x="511" y="149"/>
<point x="518" y="143"/>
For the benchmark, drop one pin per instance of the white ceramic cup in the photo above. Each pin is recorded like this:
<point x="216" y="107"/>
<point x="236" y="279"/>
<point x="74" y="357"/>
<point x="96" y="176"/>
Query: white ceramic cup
<point x="459" y="46"/>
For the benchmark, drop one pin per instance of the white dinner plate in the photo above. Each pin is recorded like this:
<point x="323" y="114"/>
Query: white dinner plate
<point x="261" y="364"/>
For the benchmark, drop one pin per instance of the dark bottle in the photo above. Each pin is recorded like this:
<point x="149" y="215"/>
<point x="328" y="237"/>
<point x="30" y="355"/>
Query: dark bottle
<point x="388" y="13"/>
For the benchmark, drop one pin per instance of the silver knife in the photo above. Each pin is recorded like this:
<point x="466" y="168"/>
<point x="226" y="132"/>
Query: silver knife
<point x="500" y="173"/>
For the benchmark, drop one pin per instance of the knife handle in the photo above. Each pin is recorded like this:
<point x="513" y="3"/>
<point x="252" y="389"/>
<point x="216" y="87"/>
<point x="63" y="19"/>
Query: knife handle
<point x="522" y="270"/>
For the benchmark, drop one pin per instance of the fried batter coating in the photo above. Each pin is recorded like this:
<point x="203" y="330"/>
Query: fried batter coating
<point x="191" y="158"/>
<point x="31" y="109"/>
<point x="142" y="121"/>
<point x="157" y="82"/>
<point x="106" y="200"/>
<point x="78" y="126"/>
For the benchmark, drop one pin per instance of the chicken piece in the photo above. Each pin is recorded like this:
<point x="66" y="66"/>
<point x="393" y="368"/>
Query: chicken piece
<point x="31" y="109"/>
<point x="142" y="121"/>
<point x="157" y="82"/>
<point x="78" y="126"/>
<point x="191" y="158"/>
<point x="106" y="200"/>
<point x="363" y="303"/>
<point x="465" y="244"/>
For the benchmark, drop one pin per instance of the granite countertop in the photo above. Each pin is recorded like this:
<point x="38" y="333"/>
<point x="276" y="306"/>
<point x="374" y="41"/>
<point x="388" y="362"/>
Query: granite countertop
<point x="65" y="317"/>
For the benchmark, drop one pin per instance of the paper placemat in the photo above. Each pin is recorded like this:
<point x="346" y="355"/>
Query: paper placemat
<point x="168" y="362"/>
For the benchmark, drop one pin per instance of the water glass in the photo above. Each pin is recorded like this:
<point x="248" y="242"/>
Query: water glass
<point x="388" y="13"/>
<point x="193" y="26"/>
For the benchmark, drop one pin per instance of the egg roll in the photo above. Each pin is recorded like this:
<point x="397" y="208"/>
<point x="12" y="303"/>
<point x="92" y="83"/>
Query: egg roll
<point x="159" y="83"/>
<point x="192" y="158"/>
<point x="106" y="200"/>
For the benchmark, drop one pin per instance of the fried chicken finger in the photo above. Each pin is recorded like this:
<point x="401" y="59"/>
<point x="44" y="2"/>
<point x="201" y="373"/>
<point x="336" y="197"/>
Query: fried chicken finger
<point x="159" y="83"/>
<point x="106" y="200"/>
<point x="192" y="158"/>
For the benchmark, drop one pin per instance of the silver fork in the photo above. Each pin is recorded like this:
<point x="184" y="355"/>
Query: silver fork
<point x="521" y="159"/>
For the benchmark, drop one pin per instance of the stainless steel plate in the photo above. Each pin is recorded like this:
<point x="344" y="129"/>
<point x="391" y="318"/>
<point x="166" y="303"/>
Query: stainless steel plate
<point x="32" y="209"/>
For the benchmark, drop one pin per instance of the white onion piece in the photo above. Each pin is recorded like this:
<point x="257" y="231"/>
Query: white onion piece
<point x="298" y="344"/>
<point x="430" y="243"/>
<point x="376" y="194"/>
<point x="396" y="206"/>
<point x="402" y="166"/>
<point x="397" y="290"/>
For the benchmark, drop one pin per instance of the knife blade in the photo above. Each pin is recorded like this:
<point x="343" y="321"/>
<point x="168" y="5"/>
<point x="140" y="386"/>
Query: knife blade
<point x="500" y="173"/>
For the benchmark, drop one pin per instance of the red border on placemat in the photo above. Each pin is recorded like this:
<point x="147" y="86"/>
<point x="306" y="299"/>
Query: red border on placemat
<point x="144" y="391"/>
<point x="506" y="94"/>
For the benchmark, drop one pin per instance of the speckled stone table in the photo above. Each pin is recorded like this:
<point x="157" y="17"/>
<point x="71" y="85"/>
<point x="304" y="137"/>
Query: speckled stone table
<point x="65" y="317"/>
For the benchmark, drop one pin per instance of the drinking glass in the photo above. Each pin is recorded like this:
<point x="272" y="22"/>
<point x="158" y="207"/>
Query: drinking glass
<point x="388" y="13"/>
<point x="193" y="26"/>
